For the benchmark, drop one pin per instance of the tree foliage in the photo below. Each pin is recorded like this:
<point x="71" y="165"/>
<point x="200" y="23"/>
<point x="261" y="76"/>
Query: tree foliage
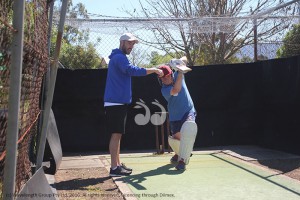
<point x="77" y="51"/>
<point x="291" y="43"/>
<point x="78" y="57"/>
<point x="158" y="59"/>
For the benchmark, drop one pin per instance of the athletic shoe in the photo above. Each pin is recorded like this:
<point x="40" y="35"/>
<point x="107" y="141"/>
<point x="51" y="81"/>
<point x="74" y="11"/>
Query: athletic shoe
<point x="119" y="171"/>
<point x="125" y="167"/>
<point x="180" y="165"/>
<point x="174" y="158"/>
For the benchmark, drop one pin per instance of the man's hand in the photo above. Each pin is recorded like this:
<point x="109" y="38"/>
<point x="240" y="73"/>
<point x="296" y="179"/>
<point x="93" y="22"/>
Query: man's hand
<point x="155" y="70"/>
<point x="159" y="72"/>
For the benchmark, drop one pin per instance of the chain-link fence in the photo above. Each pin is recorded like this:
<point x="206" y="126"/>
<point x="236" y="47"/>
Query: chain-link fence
<point x="234" y="44"/>
<point x="35" y="59"/>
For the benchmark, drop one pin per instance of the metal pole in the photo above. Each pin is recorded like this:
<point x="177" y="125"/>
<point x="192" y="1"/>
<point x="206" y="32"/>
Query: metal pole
<point x="14" y="101"/>
<point x="299" y="11"/>
<point x="50" y="92"/>
<point x="259" y="15"/>
<point x="46" y="78"/>
<point x="162" y="128"/>
<point x="255" y="40"/>
<point x="50" y="25"/>
<point x="156" y="139"/>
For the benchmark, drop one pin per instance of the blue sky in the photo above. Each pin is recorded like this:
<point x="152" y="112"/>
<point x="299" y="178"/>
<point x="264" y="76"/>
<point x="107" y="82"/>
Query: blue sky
<point x="116" y="7"/>
<point x="110" y="7"/>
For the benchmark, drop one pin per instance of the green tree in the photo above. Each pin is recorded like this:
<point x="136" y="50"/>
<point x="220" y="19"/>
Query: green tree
<point x="246" y="59"/>
<point x="262" y="57"/>
<point x="77" y="52"/>
<point x="159" y="59"/>
<point x="291" y="43"/>
<point x="79" y="57"/>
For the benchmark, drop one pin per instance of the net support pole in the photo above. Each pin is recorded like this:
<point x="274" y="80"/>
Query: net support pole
<point x="50" y="92"/>
<point x="255" y="39"/>
<point x="299" y="12"/>
<point x="46" y="78"/>
<point x="14" y="101"/>
<point x="268" y="11"/>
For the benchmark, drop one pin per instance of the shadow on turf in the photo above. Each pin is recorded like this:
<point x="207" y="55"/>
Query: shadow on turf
<point x="284" y="165"/>
<point x="136" y="179"/>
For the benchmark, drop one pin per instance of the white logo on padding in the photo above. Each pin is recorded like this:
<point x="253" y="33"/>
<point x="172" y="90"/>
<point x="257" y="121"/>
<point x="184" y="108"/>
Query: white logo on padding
<point x="156" y="119"/>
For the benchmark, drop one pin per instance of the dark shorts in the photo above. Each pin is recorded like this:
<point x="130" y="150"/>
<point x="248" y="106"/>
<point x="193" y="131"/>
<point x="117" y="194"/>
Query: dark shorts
<point x="175" y="126"/>
<point x="115" y="118"/>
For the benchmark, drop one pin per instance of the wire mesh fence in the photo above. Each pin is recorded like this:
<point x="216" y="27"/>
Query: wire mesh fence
<point x="35" y="59"/>
<point x="104" y="35"/>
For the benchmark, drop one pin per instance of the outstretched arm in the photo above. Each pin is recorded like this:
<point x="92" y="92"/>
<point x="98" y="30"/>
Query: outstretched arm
<point x="152" y="70"/>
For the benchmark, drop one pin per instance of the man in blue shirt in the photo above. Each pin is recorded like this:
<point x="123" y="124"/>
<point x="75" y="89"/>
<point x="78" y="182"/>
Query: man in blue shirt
<point x="181" y="109"/>
<point x="118" y="95"/>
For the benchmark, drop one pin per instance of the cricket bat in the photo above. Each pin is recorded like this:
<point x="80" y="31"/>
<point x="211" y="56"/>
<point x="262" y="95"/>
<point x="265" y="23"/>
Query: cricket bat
<point x="180" y="65"/>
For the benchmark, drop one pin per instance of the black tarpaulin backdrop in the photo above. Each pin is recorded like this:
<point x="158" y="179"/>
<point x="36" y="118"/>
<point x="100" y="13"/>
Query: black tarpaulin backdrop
<point x="237" y="104"/>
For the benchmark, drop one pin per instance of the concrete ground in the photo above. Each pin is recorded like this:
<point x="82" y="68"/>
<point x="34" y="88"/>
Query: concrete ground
<point x="218" y="174"/>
